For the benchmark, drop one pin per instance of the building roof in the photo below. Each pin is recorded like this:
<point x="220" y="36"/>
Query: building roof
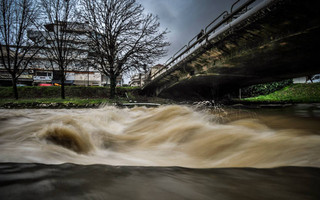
<point x="70" y="26"/>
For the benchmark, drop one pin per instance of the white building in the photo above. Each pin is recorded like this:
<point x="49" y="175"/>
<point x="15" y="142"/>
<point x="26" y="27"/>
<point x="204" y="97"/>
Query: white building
<point x="78" y="72"/>
<point x="140" y="79"/>
<point x="137" y="80"/>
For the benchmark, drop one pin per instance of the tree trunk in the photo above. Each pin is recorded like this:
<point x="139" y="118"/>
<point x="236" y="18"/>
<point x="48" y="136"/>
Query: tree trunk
<point x="113" y="84"/>
<point x="15" y="89"/>
<point x="62" y="85"/>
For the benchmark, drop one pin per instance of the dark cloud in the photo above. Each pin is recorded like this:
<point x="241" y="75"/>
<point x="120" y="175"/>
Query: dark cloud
<point x="184" y="18"/>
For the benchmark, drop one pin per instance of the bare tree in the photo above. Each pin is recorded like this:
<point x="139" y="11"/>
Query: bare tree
<point x="122" y="37"/>
<point x="16" y="50"/>
<point x="63" y="33"/>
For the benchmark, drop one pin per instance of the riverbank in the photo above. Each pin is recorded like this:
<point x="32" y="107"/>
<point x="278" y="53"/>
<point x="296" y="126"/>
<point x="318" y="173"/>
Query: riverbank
<point x="56" y="103"/>
<point x="292" y="94"/>
<point x="76" y="97"/>
<point x="94" y="97"/>
<point x="53" y="103"/>
<point x="82" y="92"/>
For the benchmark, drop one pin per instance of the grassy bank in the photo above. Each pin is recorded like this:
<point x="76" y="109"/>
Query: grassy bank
<point x="58" y="103"/>
<point x="49" y="97"/>
<point x="295" y="93"/>
<point x="87" y="97"/>
<point x="31" y="92"/>
<point x="76" y="97"/>
<point x="62" y="101"/>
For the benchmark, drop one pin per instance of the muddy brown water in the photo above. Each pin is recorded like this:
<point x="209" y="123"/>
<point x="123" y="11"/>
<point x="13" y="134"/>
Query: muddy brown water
<point x="168" y="152"/>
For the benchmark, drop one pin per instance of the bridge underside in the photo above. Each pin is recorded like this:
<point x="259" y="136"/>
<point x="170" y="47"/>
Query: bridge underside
<point x="279" y="41"/>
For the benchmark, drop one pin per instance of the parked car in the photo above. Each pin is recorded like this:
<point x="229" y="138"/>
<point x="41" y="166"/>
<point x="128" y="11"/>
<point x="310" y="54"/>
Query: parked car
<point x="21" y="85"/>
<point x="45" y="84"/>
<point x="315" y="79"/>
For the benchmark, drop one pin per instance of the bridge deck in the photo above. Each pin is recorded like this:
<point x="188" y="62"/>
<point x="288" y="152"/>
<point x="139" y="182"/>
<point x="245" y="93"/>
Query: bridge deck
<point x="275" y="40"/>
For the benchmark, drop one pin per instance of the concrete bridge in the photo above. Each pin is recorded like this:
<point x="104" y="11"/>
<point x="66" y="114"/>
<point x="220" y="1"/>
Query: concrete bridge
<point x="274" y="40"/>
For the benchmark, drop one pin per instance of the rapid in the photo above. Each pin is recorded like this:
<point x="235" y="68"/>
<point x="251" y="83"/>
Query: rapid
<point x="167" y="142"/>
<point x="164" y="136"/>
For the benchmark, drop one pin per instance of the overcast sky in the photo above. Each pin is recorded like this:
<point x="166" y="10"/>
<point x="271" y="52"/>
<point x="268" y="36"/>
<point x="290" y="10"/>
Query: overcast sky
<point x="184" y="18"/>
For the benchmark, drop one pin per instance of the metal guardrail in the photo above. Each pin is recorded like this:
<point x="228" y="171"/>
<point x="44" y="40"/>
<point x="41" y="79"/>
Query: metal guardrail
<point x="226" y="19"/>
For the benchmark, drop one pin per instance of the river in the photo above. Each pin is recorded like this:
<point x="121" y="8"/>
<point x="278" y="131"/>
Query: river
<point x="168" y="152"/>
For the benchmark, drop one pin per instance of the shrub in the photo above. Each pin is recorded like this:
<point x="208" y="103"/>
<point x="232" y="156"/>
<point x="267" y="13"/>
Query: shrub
<point x="264" y="89"/>
<point x="29" y="92"/>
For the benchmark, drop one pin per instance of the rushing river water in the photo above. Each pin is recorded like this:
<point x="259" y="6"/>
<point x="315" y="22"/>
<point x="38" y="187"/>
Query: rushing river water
<point x="169" y="152"/>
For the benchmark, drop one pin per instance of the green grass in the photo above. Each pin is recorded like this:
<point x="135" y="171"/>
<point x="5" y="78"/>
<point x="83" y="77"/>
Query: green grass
<point x="76" y="97"/>
<point x="296" y="93"/>
<point x="77" y="101"/>
<point x="95" y="92"/>
<point x="30" y="96"/>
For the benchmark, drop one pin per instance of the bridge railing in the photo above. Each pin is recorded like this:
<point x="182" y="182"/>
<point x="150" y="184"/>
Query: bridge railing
<point x="197" y="41"/>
